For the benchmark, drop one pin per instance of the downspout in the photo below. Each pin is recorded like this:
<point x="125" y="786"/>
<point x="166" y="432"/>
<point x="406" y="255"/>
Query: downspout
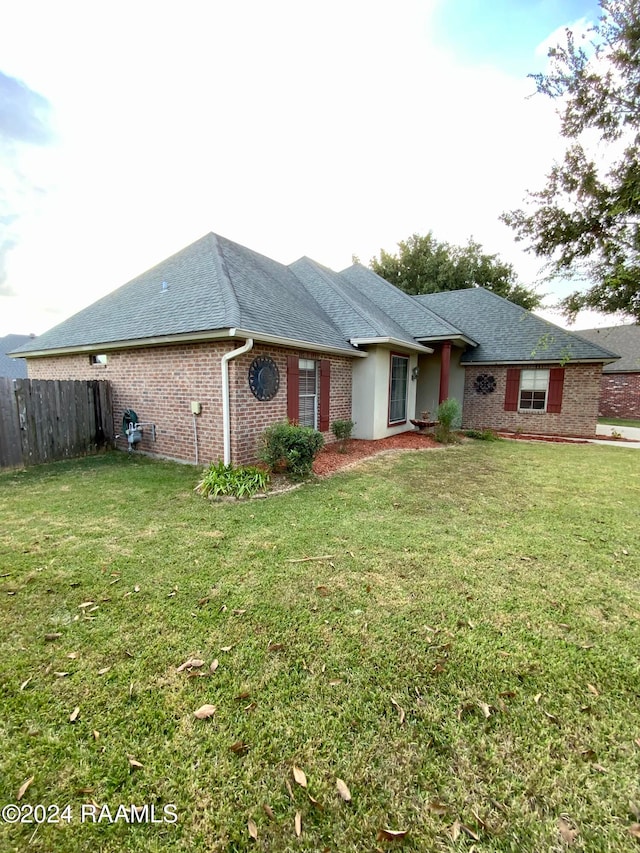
<point x="226" y="415"/>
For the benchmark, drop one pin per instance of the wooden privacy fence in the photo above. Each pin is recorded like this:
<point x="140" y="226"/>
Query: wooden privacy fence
<point x="44" y="419"/>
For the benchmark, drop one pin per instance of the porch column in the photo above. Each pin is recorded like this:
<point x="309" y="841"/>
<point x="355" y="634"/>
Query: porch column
<point x="445" y="364"/>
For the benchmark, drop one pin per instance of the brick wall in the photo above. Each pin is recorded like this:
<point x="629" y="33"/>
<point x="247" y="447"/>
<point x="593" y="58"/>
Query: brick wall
<point x="579" y="403"/>
<point x="620" y="395"/>
<point x="159" y="383"/>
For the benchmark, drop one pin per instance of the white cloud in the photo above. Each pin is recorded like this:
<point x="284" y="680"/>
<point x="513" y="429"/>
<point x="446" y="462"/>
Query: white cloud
<point x="294" y="128"/>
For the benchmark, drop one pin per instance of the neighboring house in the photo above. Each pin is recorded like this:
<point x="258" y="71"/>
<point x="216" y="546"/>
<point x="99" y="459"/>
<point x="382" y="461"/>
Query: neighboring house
<point x="620" y="384"/>
<point x="217" y="342"/>
<point x="13" y="368"/>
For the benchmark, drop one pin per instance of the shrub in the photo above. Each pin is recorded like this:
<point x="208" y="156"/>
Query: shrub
<point x="449" y="416"/>
<point x="482" y="434"/>
<point x="290" y="448"/>
<point x="242" y="482"/>
<point x="342" y="431"/>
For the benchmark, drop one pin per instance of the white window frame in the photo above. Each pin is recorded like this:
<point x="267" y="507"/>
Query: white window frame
<point x="534" y="381"/>
<point x="305" y="365"/>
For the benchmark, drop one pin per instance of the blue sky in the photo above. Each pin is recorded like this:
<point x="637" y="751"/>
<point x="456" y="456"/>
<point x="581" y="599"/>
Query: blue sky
<point x="295" y="128"/>
<point x="503" y="32"/>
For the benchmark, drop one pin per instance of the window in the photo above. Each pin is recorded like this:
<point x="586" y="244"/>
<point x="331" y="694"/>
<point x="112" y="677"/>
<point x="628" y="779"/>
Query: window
<point x="308" y="393"/>
<point x="398" y="389"/>
<point x="534" y="386"/>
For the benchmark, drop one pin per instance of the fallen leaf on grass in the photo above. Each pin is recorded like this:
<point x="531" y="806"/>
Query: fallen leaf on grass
<point x="23" y="787"/>
<point x="299" y="776"/>
<point x="298" y="824"/>
<point x="486" y="710"/>
<point x="399" y="709"/>
<point x="343" y="790"/>
<point x="73" y="716"/>
<point x="192" y="663"/>
<point x="253" y="829"/>
<point x="204" y="712"/>
<point x="568" y="832"/>
<point x="391" y="834"/>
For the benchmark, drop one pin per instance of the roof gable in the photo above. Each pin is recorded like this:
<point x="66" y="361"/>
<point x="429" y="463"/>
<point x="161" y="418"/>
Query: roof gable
<point x="506" y="332"/>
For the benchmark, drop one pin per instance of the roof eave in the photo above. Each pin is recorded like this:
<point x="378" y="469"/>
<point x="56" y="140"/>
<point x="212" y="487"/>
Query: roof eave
<point x="461" y="339"/>
<point x="396" y="342"/>
<point x="536" y="361"/>
<point x="191" y="337"/>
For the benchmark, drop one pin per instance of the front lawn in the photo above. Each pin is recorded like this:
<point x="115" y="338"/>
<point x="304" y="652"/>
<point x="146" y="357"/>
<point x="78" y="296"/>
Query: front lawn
<point x="453" y="633"/>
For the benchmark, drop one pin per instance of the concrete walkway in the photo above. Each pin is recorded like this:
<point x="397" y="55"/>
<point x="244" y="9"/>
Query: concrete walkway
<point x="631" y="434"/>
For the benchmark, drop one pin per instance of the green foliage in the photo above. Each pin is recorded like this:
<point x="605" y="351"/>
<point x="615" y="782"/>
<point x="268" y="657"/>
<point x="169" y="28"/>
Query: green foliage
<point x="425" y="265"/>
<point x="290" y="448"/>
<point x="585" y="221"/>
<point x="342" y="430"/>
<point x="482" y="434"/>
<point x="449" y="416"/>
<point x="224" y="480"/>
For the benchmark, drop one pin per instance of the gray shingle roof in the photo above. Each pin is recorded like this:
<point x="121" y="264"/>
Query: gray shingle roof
<point x="13" y="368"/>
<point x="625" y="340"/>
<point x="422" y="324"/>
<point x="213" y="284"/>
<point x="349" y="308"/>
<point x="505" y="332"/>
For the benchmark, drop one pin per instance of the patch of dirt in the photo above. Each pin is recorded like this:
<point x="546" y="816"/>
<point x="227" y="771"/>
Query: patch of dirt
<point x="331" y="459"/>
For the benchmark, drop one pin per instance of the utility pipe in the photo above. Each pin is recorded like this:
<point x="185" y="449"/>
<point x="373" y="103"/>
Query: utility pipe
<point x="226" y="417"/>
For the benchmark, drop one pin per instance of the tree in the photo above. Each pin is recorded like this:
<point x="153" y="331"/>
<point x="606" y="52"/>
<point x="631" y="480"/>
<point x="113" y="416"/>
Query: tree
<point x="425" y="265"/>
<point x="586" y="221"/>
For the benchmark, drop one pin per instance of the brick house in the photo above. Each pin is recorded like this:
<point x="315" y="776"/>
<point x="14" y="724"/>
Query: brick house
<point x="620" y="381"/>
<point x="215" y="343"/>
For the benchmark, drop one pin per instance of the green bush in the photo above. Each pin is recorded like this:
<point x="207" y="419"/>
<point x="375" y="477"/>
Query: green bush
<point x="449" y="417"/>
<point x="342" y="430"/>
<point x="224" y="480"/>
<point x="290" y="448"/>
<point x="482" y="434"/>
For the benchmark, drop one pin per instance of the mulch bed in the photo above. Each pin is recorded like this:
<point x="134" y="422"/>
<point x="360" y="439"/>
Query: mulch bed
<point x="331" y="459"/>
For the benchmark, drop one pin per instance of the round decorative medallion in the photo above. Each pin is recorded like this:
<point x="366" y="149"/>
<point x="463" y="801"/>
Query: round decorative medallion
<point x="484" y="383"/>
<point x="264" y="378"/>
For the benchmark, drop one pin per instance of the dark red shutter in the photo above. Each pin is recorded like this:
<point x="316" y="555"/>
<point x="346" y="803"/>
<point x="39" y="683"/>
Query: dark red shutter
<point x="293" y="389"/>
<point x="556" y="385"/>
<point x="512" y="394"/>
<point x="325" y="393"/>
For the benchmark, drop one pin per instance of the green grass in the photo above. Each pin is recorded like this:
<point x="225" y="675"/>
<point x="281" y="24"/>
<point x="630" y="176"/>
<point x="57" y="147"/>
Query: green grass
<point x="620" y="422"/>
<point x="487" y="578"/>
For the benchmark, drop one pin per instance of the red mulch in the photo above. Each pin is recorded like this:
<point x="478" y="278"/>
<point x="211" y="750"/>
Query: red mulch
<point x="330" y="459"/>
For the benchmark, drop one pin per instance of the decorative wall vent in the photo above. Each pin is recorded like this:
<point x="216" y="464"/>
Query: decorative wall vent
<point x="484" y="383"/>
<point x="264" y="378"/>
